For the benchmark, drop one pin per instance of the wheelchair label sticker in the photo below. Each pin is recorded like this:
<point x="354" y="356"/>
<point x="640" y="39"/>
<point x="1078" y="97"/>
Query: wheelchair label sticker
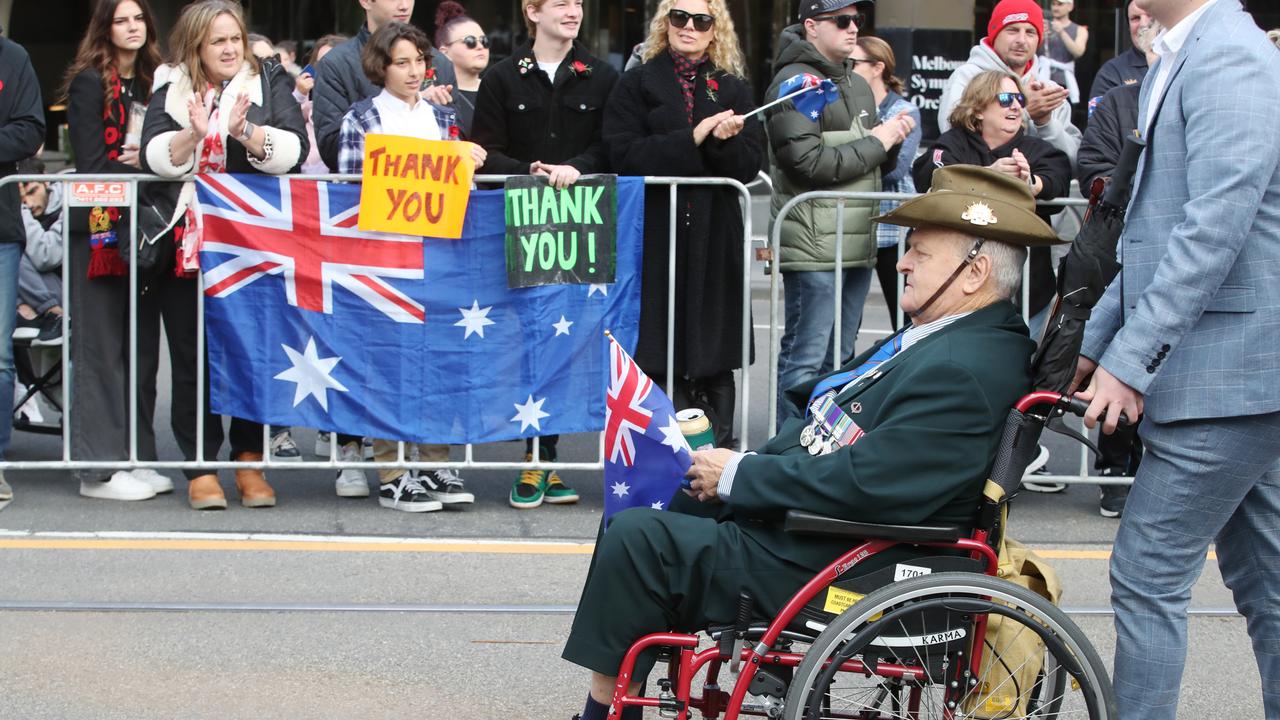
<point x="902" y="571"/>
<point x="930" y="639"/>
<point x="839" y="600"/>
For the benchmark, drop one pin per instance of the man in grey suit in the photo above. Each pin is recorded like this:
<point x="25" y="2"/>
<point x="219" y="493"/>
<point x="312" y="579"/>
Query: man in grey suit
<point x="1189" y="333"/>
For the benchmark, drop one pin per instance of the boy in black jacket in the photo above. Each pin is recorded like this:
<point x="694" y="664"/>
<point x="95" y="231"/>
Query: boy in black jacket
<point x="21" y="134"/>
<point x="540" y="112"/>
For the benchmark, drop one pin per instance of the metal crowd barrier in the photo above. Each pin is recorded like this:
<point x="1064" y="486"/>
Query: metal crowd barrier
<point x="402" y="461"/>
<point x="775" y="324"/>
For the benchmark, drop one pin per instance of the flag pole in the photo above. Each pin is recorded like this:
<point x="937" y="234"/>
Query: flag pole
<point x="784" y="98"/>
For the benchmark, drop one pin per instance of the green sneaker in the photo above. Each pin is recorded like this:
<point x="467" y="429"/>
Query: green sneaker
<point x="557" y="493"/>
<point x="528" y="491"/>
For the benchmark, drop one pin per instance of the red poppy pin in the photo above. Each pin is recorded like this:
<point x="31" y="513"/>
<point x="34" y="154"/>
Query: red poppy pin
<point x="430" y="75"/>
<point x="713" y="88"/>
<point x="454" y="132"/>
<point x="1" y="84"/>
<point x="580" y="68"/>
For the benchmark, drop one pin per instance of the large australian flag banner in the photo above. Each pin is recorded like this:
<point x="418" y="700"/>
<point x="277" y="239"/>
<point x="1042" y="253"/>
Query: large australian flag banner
<point x="315" y="323"/>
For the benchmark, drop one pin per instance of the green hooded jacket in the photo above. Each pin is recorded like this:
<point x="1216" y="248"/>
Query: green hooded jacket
<point x="836" y="153"/>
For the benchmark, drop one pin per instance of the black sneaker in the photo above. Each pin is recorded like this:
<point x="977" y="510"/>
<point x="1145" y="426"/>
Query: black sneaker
<point x="50" y="330"/>
<point x="445" y="486"/>
<point x="1112" y="497"/>
<point x="406" y="494"/>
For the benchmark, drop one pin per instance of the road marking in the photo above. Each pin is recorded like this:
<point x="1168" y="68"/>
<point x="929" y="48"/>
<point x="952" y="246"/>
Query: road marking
<point x="75" y="606"/>
<point x="241" y="542"/>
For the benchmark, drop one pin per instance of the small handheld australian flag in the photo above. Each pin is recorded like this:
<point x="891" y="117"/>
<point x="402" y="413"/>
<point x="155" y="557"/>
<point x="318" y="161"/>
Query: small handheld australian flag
<point x="814" y="94"/>
<point x="646" y="454"/>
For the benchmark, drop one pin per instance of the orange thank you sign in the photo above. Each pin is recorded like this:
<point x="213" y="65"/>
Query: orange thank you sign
<point x="415" y="187"/>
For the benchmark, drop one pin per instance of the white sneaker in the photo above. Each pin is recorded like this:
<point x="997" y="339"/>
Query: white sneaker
<point x="323" y="441"/>
<point x="158" y="482"/>
<point x="120" y="486"/>
<point x="351" y="482"/>
<point x="1036" y="467"/>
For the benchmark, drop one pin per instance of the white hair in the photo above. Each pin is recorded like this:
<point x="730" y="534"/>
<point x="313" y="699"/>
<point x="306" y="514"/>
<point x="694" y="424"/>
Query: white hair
<point x="1006" y="263"/>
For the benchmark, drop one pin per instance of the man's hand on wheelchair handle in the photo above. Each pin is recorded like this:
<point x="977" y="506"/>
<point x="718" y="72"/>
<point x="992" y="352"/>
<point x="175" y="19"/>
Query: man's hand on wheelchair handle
<point x="704" y="474"/>
<point x="1108" y="397"/>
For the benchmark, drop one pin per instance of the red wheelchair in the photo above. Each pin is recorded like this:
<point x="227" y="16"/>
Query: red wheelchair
<point x="940" y="637"/>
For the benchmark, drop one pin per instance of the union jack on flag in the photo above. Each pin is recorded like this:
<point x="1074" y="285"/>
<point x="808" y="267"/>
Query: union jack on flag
<point x="647" y="453"/>
<point x="299" y="229"/>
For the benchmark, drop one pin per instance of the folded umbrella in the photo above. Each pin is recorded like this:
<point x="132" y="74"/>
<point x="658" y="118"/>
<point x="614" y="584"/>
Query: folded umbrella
<point x="1084" y="274"/>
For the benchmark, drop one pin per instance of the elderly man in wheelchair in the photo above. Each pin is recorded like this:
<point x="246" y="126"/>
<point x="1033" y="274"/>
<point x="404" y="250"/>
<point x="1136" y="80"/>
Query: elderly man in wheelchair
<point x="882" y="479"/>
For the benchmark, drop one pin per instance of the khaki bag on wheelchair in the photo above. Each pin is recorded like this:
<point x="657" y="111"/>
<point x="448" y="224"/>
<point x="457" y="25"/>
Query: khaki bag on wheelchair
<point x="1005" y="689"/>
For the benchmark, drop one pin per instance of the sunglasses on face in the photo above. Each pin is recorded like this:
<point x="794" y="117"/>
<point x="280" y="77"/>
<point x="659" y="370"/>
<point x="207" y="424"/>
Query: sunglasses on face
<point x="701" y="21"/>
<point x="471" y="41"/>
<point x="1006" y="99"/>
<point x="844" y="21"/>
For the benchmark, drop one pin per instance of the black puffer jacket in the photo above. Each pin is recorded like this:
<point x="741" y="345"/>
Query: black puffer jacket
<point x="1114" y="118"/>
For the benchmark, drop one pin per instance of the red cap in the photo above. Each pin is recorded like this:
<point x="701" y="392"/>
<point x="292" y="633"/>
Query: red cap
<point x="1008" y="12"/>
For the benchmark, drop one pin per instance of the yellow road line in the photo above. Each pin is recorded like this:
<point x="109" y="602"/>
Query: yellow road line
<point x="290" y="546"/>
<point x="486" y="548"/>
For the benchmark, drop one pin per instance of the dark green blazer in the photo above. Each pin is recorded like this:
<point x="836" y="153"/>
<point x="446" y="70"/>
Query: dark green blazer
<point x="933" y="418"/>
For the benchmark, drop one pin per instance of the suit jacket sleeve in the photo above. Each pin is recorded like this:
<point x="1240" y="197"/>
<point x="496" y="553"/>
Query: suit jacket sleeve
<point x="23" y="131"/>
<point x="1100" y="148"/>
<point x="1231" y="157"/>
<point x="881" y="478"/>
<point x="85" y="104"/>
<point x="489" y="129"/>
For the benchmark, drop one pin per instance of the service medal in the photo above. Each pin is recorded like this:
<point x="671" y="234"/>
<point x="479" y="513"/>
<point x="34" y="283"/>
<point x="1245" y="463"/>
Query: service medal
<point x="806" y="435"/>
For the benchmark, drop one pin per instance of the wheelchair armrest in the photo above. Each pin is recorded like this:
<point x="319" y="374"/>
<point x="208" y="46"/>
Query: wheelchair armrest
<point x="807" y="523"/>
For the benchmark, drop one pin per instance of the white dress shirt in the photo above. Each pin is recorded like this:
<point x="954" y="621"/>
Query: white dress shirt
<point x="1167" y="45"/>
<point x="398" y="118"/>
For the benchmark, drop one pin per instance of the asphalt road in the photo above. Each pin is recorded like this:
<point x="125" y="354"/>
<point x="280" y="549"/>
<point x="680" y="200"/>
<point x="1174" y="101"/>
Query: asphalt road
<point x="332" y="608"/>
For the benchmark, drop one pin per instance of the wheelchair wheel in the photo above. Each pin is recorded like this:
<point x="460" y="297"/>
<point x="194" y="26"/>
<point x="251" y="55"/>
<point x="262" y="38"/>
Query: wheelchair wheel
<point x="907" y="651"/>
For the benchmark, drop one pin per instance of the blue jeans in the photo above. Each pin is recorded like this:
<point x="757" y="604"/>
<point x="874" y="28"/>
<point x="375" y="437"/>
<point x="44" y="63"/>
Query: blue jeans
<point x="810" y="331"/>
<point x="10" y="257"/>
<point x="1200" y="481"/>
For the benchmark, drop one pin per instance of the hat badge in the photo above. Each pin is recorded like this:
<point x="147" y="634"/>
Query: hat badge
<point x="979" y="213"/>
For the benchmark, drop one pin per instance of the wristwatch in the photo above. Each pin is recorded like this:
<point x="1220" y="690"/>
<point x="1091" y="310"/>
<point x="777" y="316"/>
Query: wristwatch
<point x="248" y="131"/>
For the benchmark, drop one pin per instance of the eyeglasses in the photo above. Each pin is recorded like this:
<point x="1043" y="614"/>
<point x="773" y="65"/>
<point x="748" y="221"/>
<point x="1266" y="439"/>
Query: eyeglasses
<point x="844" y="21"/>
<point x="1006" y="99"/>
<point x="702" y="22"/>
<point x="471" y="41"/>
<point x="870" y="61"/>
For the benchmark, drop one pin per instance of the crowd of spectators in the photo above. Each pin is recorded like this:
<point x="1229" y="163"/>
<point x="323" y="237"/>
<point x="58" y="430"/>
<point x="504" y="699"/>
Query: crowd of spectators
<point x="552" y="109"/>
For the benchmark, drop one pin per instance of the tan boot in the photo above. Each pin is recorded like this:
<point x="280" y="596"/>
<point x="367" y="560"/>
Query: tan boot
<point x="252" y="484"/>
<point x="204" y="493"/>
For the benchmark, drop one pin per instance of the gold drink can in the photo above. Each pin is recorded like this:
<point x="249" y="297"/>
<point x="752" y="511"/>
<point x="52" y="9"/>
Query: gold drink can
<point x="696" y="428"/>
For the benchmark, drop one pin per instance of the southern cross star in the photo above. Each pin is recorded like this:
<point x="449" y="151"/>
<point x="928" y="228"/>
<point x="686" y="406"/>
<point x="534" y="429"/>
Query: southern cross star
<point x="474" y="319"/>
<point x="620" y="489"/>
<point x="598" y="288"/>
<point x="562" y="327"/>
<point x="672" y="437"/>
<point x="312" y="374"/>
<point x="530" y="413"/>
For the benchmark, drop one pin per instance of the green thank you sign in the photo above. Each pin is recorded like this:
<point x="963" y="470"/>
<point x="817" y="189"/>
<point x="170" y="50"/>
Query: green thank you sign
<point x="561" y="237"/>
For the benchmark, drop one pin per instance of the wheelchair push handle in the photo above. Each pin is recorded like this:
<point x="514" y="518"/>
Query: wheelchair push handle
<point x="1062" y="403"/>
